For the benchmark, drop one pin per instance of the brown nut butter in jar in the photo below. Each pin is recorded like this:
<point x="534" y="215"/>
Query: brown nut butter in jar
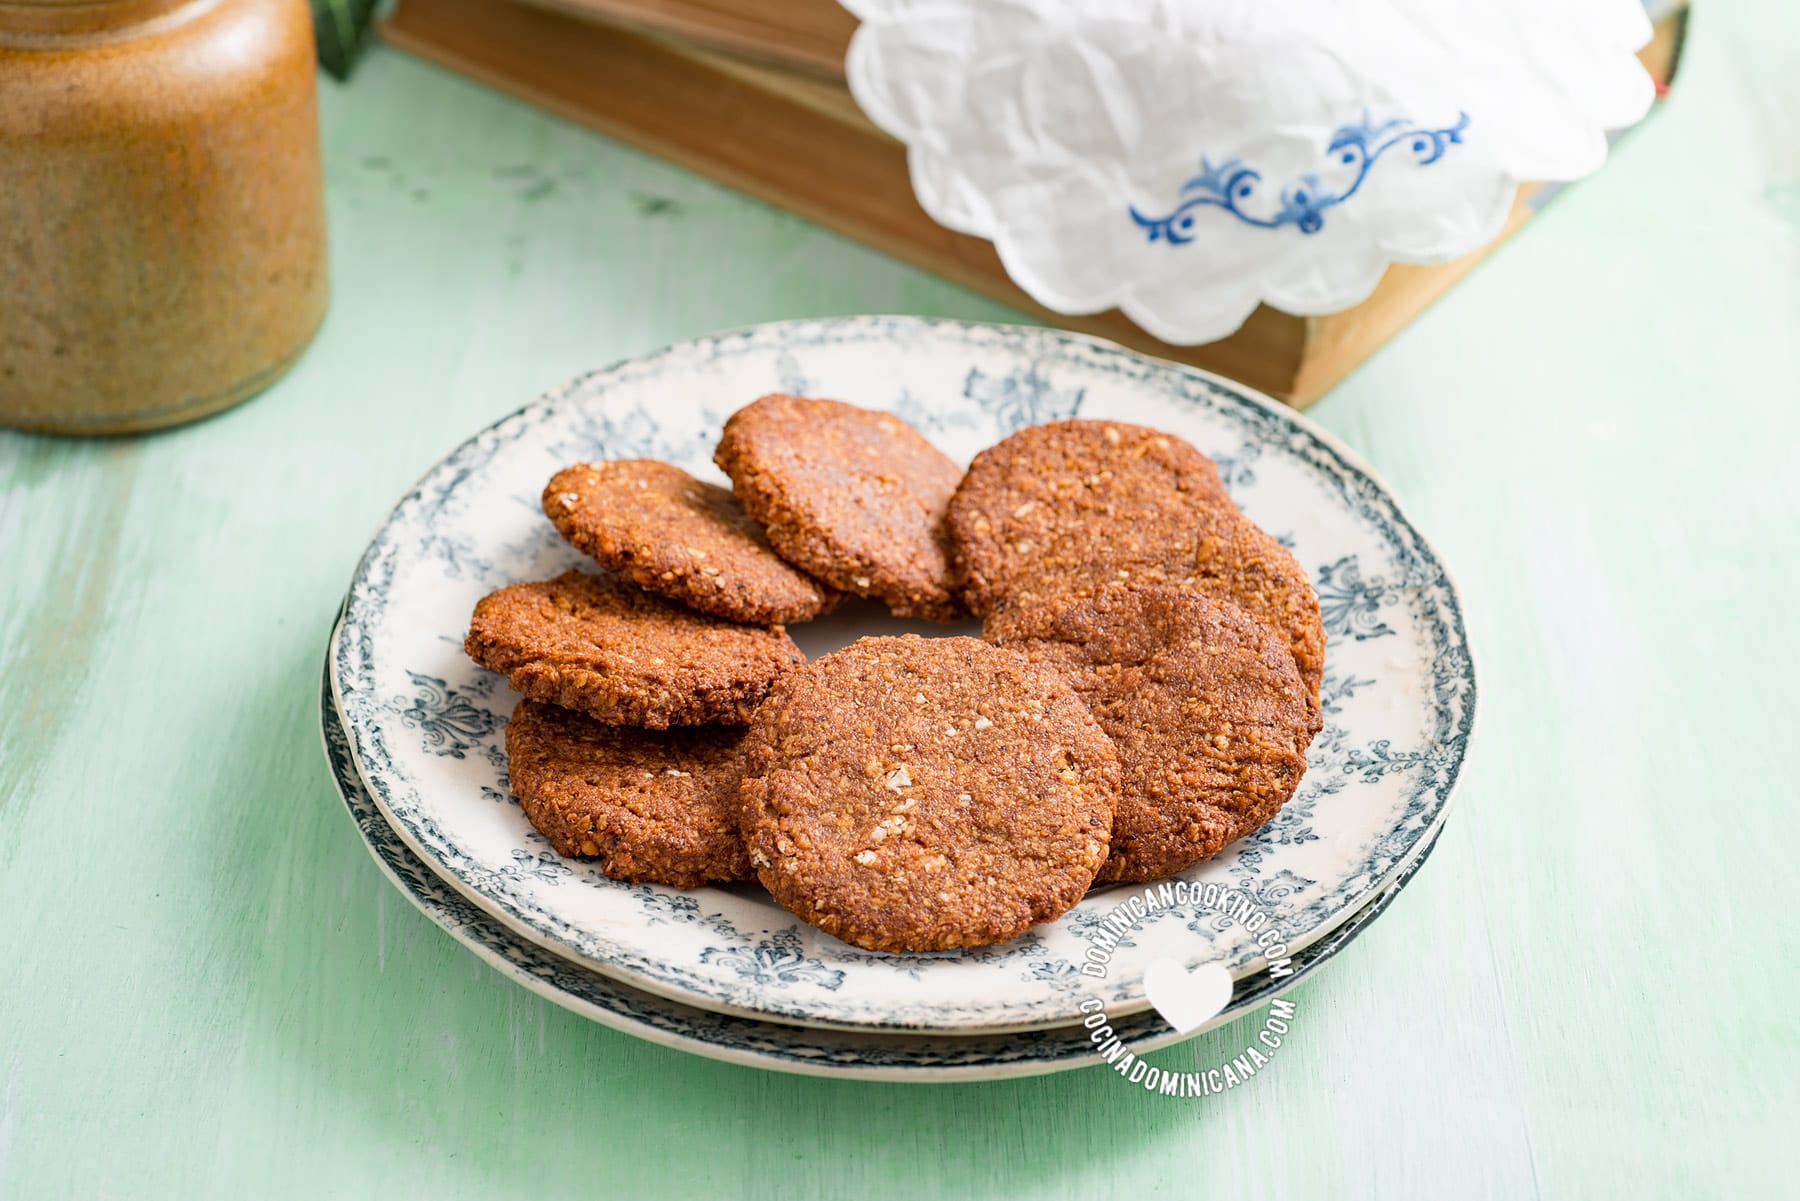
<point x="162" y="221"/>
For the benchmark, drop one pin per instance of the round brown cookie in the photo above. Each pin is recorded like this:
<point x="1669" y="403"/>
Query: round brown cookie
<point x="1058" y="508"/>
<point x="913" y="794"/>
<point x="655" y="806"/>
<point x="1203" y="701"/>
<point x="852" y="496"/>
<point x="680" y="537"/>
<point x="598" y="645"/>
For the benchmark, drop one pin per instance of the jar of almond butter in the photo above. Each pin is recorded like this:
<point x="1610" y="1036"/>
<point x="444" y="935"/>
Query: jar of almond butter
<point x="162" y="224"/>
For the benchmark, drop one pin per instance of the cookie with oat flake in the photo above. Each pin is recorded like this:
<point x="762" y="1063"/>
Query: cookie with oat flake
<point x="654" y="806"/>
<point x="679" y="537"/>
<point x="914" y="794"/>
<point x="1062" y="507"/>
<point x="852" y="496"/>
<point x="600" y="646"/>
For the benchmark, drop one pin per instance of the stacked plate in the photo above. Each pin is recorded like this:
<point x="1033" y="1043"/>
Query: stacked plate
<point x="414" y="731"/>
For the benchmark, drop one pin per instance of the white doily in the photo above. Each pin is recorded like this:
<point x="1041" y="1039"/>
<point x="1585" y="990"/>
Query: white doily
<point x="1184" y="160"/>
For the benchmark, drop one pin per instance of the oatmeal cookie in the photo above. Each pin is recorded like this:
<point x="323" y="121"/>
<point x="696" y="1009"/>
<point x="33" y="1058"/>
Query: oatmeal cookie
<point x="654" y="806"/>
<point x="1061" y="507"/>
<point x="600" y="646"/>
<point x="679" y="537"/>
<point x="852" y="496"/>
<point x="912" y="794"/>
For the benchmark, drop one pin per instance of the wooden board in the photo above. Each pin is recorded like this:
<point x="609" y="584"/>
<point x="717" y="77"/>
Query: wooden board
<point x="808" y="37"/>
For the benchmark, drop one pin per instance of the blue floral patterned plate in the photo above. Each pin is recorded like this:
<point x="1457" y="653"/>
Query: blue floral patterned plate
<point x="425" y="724"/>
<point x="777" y="1046"/>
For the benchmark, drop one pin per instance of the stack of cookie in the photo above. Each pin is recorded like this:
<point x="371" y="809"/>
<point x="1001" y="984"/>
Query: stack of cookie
<point x="1143" y="694"/>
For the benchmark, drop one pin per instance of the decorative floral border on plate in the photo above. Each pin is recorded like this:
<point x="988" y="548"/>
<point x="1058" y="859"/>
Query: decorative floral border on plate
<point x="1012" y="379"/>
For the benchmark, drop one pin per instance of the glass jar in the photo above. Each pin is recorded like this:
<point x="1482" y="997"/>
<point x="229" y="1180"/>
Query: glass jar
<point x="162" y="220"/>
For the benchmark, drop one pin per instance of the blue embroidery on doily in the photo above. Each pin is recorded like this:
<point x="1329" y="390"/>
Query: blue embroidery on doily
<point x="1233" y="185"/>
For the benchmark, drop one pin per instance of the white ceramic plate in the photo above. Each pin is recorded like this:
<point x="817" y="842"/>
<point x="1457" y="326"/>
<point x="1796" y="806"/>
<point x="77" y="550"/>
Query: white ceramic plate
<point x="777" y="1046"/>
<point x="426" y="725"/>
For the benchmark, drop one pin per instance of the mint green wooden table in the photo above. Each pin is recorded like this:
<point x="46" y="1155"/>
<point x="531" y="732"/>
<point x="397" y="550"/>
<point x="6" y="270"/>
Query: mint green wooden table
<point x="208" y="990"/>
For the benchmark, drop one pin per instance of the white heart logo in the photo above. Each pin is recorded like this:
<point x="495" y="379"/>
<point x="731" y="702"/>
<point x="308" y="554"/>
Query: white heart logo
<point x="1187" y="999"/>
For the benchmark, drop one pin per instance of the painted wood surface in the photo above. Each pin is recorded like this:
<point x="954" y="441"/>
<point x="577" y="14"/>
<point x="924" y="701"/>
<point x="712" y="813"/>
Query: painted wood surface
<point x="209" y="990"/>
